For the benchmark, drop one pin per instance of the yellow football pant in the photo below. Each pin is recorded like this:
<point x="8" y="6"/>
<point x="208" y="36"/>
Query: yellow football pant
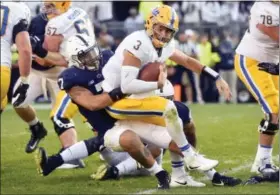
<point x="64" y="107"/>
<point x="149" y="110"/>
<point x="262" y="85"/>
<point x="5" y="84"/>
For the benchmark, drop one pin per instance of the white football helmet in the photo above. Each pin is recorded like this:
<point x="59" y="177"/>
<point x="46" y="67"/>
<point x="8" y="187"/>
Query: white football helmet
<point x="83" y="52"/>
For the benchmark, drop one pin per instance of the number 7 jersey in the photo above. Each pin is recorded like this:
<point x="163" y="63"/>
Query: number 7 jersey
<point x="256" y="44"/>
<point x="72" y="22"/>
<point x="11" y="14"/>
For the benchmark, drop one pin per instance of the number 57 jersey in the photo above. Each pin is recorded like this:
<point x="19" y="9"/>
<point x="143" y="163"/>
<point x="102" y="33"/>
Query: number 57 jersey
<point x="11" y="14"/>
<point x="255" y="44"/>
<point x="74" y="21"/>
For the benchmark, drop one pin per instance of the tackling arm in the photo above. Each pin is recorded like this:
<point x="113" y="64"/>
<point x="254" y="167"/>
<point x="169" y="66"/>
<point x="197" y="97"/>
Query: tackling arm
<point x="86" y="99"/>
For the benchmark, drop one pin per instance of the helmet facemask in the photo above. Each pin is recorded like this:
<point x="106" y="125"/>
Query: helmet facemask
<point x="89" y="58"/>
<point x="162" y="34"/>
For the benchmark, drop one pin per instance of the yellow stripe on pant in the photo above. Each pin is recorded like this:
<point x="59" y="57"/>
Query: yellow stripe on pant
<point x="149" y="110"/>
<point x="263" y="86"/>
<point x="5" y="84"/>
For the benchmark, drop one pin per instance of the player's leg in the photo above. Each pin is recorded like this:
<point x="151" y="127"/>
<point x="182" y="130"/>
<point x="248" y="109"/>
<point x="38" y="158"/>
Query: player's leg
<point x="61" y="115"/>
<point x="163" y="112"/>
<point x="263" y="88"/>
<point x="27" y="113"/>
<point x="5" y="84"/>
<point x="82" y="149"/>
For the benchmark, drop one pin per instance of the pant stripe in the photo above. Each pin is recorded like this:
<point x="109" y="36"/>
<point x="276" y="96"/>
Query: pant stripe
<point x="134" y="112"/>
<point x="254" y="88"/>
<point x="63" y="106"/>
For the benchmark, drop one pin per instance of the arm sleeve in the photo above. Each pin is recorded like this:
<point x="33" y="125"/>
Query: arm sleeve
<point x="131" y="85"/>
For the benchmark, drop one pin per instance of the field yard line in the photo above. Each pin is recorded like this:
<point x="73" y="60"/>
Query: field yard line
<point x="204" y="178"/>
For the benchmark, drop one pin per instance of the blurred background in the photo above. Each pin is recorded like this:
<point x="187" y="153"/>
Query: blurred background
<point x="209" y="31"/>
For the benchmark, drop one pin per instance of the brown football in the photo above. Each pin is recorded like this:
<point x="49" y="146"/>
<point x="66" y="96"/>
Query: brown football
<point x="150" y="72"/>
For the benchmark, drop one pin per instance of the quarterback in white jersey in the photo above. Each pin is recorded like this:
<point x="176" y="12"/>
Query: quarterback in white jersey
<point x="260" y="44"/>
<point x="15" y="18"/>
<point x="154" y="44"/>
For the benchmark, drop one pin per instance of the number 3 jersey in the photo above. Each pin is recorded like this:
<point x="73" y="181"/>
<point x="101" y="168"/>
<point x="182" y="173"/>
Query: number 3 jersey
<point x="11" y="14"/>
<point x="74" y="21"/>
<point x="91" y="80"/>
<point x="140" y="45"/>
<point x="256" y="44"/>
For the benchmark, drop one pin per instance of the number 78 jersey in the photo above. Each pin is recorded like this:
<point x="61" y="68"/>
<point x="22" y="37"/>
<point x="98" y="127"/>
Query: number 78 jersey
<point x="11" y="14"/>
<point x="256" y="44"/>
<point x="74" y="21"/>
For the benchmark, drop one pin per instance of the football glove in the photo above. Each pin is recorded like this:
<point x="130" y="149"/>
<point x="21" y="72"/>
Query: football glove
<point x="269" y="67"/>
<point x="20" y="94"/>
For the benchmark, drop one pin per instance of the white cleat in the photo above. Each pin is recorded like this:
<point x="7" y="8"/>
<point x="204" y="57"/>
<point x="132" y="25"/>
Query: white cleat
<point x="262" y="167"/>
<point x="200" y="163"/>
<point x="185" y="181"/>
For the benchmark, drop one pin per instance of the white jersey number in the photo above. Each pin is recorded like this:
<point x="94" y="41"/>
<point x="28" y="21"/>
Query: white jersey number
<point x="4" y="19"/>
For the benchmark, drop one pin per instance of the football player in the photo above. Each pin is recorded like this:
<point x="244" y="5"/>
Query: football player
<point x="154" y="44"/>
<point x="15" y="18"/>
<point x="83" y="84"/>
<point x="260" y="44"/>
<point x="64" y="22"/>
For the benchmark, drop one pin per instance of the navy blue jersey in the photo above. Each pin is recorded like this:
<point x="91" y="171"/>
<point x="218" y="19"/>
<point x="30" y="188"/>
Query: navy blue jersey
<point x="91" y="80"/>
<point x="183" y="111"/>
<point x="37" y="28"/>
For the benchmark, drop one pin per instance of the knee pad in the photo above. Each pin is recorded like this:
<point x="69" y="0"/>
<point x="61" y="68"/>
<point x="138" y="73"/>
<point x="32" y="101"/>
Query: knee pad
<point x="61" y="125"/>
<point x="268" y="128"/>
<point x="94" y="144"/>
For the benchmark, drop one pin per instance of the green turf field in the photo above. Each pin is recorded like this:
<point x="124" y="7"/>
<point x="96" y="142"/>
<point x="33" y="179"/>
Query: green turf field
<point x="225" y="132"/>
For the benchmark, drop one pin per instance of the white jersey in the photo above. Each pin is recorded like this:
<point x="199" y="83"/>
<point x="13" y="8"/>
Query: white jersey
<point x="256" y="44"/>
<point x="140" y="45"/>
<point x="11" y="14"/>
<point x="74" y="21"/>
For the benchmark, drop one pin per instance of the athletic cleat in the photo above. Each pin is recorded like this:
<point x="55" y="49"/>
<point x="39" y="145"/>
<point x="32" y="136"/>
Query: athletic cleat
<point x="163" y="180"/>
<point x="185" y="181"/>
<point x="222" y="180"/>
<point x="268" y="168"/>
<point x="38" y="132"/>
<point x="253" y="180"/>
<point x="105" y="172"/>
<point x="199" y="162"/>
<point x="73" y="164"/>
<point x="41" y="160"/>
<point x="45" y="164"/>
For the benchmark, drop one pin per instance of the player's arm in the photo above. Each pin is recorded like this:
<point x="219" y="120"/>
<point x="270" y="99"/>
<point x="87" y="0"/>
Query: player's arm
<point x="271" y="31"/>
<point x="21" y="39"/>
<point x="50" y="57"/>
<point x="129" y="73"/>
<point x="86" y="99"/>
<point x="52" y="42"/>
<point x="194" y="65"/>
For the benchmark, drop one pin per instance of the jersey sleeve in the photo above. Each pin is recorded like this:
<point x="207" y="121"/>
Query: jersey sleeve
<point x="58" y="25"/>
<point x="67" y="79"/>
<point x="266" y="17"/>
<point x="23" y="13"/>
<point x="136" y="46"/>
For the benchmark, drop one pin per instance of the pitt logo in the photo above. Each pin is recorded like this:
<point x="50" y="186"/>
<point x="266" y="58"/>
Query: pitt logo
<point x="155" y="12"/>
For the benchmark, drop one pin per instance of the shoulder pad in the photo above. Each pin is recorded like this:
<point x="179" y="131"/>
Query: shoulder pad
<point x="68" y="79"/>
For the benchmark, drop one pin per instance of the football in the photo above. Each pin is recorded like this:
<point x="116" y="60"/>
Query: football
<point x="150" y="72"/>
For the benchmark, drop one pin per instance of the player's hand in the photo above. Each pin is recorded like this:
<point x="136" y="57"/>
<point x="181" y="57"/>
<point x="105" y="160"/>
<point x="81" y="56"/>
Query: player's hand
<point x="162" y="76"/>
<point x="223" y="88"/>
<point x="20" y="94"/>
<point x="269" y="67"/>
